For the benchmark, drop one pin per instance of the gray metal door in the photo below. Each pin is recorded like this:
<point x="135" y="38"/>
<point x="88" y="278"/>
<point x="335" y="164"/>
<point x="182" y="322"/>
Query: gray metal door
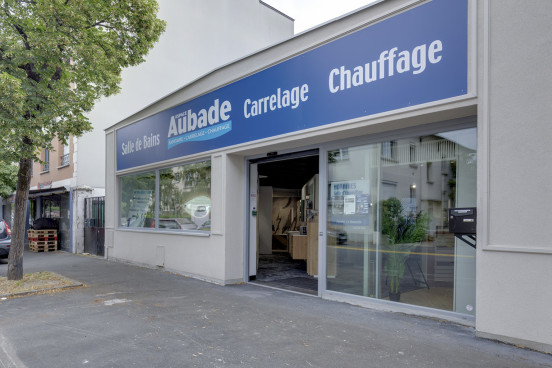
<point x="94" y="222"/>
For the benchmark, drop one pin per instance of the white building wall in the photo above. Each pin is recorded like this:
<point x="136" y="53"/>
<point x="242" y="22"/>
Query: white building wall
<point x="111" y="195"/>
<point x="221" y="252"/>
<point x="78" y="196"/>
<point x="234" y="229"/>
<point x="200" y="36"/>
<point x="514" y="257"/>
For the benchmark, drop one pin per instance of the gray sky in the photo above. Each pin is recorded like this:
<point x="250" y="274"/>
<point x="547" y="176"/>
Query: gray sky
<point x="310" y="13"/>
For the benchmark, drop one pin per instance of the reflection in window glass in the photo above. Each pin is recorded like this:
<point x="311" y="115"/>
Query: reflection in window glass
<point x="51" y="207"/>
<point x="185" y="197"/>
<point x="388" y="150"/>
<point x="388" y="221"/>
<point x="137" y="207"/>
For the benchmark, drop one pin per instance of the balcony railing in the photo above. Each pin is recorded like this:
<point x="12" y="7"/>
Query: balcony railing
<point x="64" y="160"/>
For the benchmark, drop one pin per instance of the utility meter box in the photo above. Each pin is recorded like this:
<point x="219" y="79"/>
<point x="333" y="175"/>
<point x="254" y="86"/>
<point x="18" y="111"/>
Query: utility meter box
<point x="463" y="220"/>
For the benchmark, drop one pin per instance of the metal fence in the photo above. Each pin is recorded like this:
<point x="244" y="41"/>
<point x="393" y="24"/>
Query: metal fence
<point x="94" y="223"/>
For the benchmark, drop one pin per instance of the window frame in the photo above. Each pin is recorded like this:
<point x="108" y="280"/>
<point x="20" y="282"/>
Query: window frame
<point x="442" y="126"/>
<point x="46" y="165"/>
<point x="156" y="171"/>
<point x="65" y="155"/>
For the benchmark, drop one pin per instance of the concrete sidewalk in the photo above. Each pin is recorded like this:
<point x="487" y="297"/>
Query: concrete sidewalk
<point x="129" y="316"/>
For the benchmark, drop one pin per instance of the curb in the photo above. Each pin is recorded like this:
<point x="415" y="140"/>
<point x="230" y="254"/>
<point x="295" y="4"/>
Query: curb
<point x="74" y="284"/>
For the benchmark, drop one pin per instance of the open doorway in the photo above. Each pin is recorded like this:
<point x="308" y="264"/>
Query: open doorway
<point x="284" y="228"/>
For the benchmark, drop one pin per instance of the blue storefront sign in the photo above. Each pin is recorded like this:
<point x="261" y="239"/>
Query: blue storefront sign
<point x="415" y="57"/>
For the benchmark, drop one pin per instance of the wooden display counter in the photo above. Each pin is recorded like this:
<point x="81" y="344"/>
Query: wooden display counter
<point x="312" y="251"/>
<point x="306" y="247"/>
<point x="297" y="245"/>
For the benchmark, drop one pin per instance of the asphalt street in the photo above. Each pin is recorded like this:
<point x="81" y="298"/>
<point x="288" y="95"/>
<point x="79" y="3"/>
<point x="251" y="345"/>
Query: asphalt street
<point x="129" y="316"/>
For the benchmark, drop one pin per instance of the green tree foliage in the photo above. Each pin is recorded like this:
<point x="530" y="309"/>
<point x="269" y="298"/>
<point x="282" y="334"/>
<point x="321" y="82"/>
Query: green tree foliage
<point x="399" y="227"/>
<point x="8" y="179"/>
<point x="404" y="232"/>
<point x="181" y="184"/>
<point x="57" y="57"/>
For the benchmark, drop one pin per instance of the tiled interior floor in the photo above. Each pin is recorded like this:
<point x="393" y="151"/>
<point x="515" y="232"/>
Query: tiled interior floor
<point x="439" y="298"/>
<point x="280" y="271"/>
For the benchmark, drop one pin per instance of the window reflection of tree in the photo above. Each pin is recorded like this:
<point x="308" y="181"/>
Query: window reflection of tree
<point x="132" y="183"/>
<point x="180" y="184"/>
<point x="51" y="207"/>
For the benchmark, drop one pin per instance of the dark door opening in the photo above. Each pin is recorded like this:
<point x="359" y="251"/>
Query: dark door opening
<point x="287" y="223"/>
<point x="94" y="223"/>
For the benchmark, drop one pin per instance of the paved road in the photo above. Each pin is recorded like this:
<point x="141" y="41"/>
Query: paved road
<point x="129" y="316"/>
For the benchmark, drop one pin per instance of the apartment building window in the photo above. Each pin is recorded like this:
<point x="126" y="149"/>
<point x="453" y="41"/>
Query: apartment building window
<point x="389" y="150"/>
<point x="64" y="158"/>
<point x="429" y="172"/>
<point x="46" y="164"/>
<point x="413" y="156"/>
<point x="339" y="155"/>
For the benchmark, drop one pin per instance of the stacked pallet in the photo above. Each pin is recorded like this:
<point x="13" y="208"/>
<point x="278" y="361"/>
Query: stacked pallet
<point x="43" y="240"/>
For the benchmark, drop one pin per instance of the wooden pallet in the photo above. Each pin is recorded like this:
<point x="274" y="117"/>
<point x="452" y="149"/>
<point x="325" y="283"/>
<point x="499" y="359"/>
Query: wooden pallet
<point x="43" y="242"/>
<point x="43" y="238"/>
<point x="34" y="247"/>
<point x="42" y="233"/>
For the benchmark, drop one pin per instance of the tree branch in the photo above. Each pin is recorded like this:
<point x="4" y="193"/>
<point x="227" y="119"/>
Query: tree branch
<point x="18" y="28"/>
<point x="99" y="23"/>
<point x="31" y="74"/>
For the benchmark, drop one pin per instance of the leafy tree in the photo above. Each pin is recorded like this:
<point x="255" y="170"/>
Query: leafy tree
<point x="57" y="57"/>
<point x="8" y="179"/>
<point x="403" y="232"/>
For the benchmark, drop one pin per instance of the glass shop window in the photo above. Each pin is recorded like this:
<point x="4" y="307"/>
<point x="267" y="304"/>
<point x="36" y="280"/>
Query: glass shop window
<point x="184" y="198"/>
<point x="137" y="200"/>
<point x="393" y="219"/>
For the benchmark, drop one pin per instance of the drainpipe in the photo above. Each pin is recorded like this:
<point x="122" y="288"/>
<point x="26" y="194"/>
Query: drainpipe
<point x="71" y="220"/>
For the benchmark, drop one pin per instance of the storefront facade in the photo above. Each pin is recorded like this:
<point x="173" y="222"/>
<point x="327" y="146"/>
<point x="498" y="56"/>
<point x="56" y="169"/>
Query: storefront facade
<point x="345" y="149"/>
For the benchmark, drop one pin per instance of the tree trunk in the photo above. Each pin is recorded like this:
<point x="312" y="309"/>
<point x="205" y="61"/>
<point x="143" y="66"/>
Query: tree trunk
<point x="15" y="260"/>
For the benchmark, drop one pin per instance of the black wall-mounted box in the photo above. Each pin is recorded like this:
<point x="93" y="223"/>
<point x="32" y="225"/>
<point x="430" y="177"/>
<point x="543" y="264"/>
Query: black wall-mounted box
<point x="463" y="220"/>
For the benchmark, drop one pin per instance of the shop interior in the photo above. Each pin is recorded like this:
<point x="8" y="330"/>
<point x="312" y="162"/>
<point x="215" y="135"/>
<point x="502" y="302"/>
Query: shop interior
<point x="287" y="223"/>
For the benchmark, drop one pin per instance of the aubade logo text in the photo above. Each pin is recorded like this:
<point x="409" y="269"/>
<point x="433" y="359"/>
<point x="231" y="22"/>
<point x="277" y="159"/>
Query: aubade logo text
<point x="205" y="124"/>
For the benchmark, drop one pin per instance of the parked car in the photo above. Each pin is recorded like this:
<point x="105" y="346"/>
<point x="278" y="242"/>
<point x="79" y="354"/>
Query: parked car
<point x="337" y="237"/>
<point x="200" y="211"/>
<point x="169" y="224"/>
<point x="5" y="239"/>
<point x="186" y="224"/>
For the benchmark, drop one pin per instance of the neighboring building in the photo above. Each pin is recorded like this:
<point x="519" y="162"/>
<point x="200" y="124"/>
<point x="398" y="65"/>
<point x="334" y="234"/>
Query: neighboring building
<point x="335" y="163"/>
<point x="53" y="190"/>
<point x="200" y="36"/>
